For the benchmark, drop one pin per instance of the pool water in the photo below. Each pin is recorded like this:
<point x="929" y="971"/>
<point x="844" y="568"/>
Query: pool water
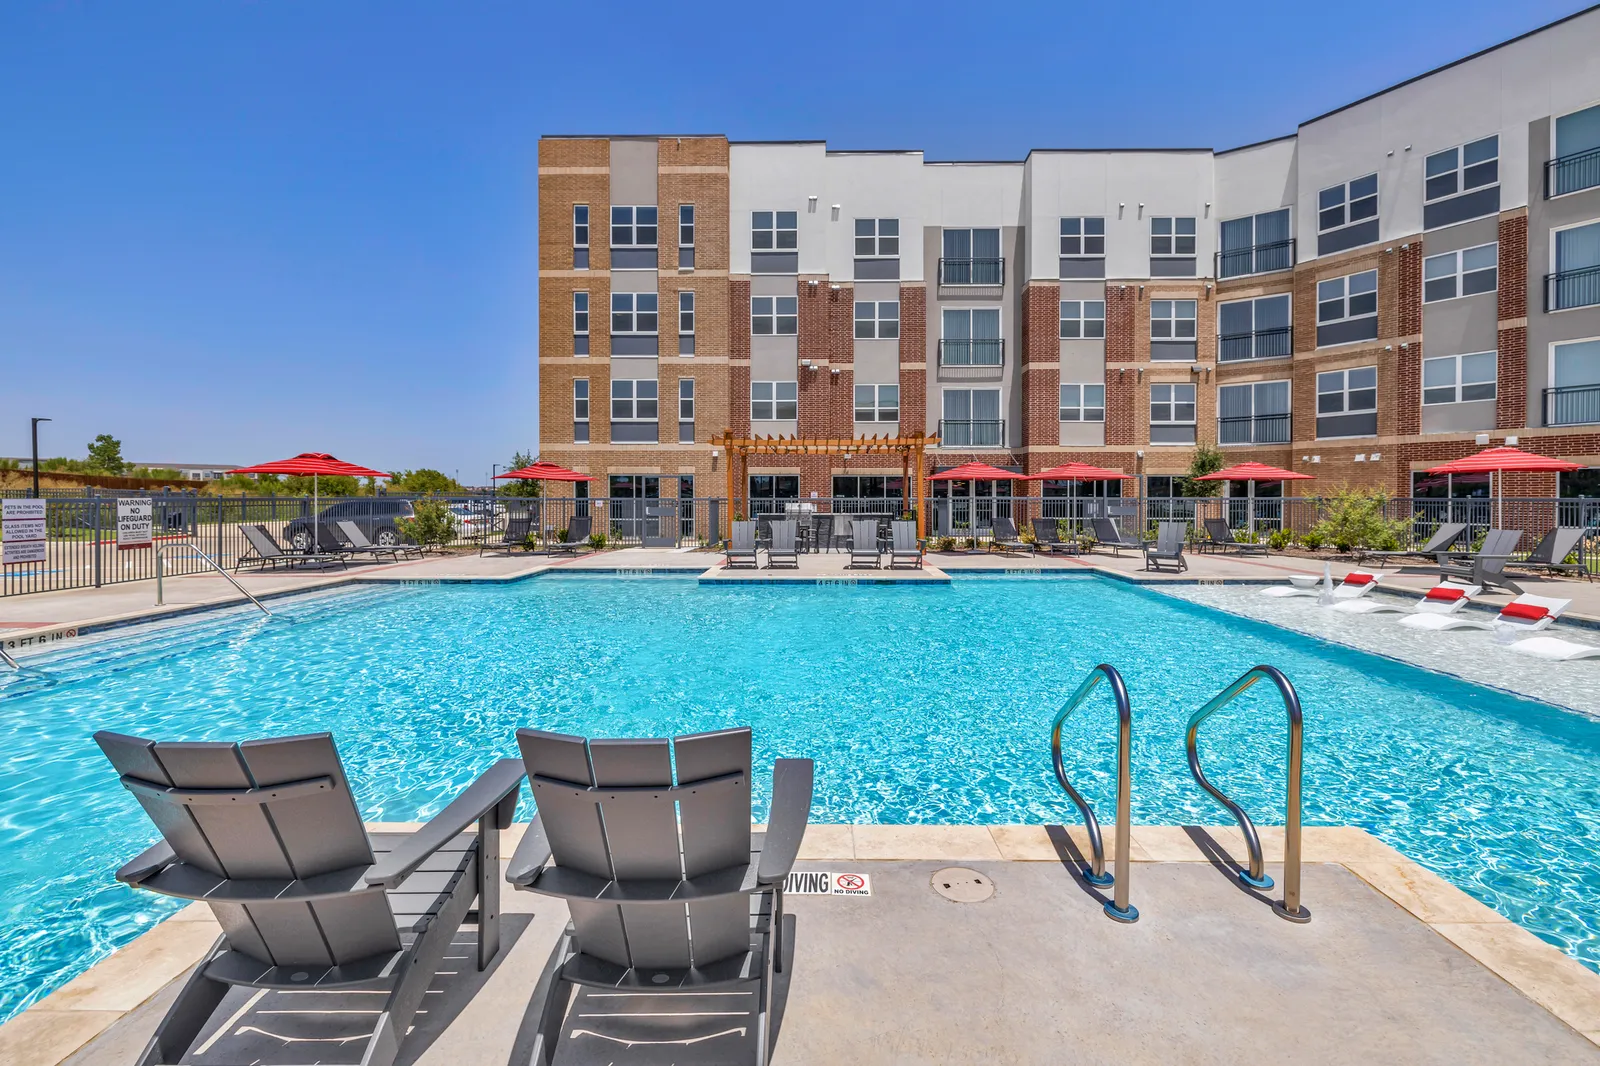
<point x="919" y="704"/>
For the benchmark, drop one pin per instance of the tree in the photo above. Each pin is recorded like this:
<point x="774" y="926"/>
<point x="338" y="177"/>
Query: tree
<point x="1207" y="460"/>
<point x="515" y="487"/>
<point x="425" y="482"/>
<point x="105" y="455"/>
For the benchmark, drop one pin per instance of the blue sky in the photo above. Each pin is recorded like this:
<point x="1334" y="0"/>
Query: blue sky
<point x="232" y="231"/>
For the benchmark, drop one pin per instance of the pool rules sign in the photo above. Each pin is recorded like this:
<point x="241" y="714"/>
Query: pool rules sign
<point x="22" y="530"/>
<point x="135" y="523"/>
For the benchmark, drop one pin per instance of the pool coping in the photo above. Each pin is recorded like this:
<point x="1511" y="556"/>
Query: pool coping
<point x="69" y="1018"/>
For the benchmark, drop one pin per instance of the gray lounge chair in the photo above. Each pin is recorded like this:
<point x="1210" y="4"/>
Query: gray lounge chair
<point x="267" y="833"/>
<point x="1003" y="535"/>
<point x="514" y="536"/>
<point x="1167" y="551"/>
<point x="1487" y="566"/>
<point x="688" y="960"/>
<point x="904" y="547"/>
<point x="269" y="553"/>
<point x="1221" y="537"/>
<point x="1444" y="538"/>
<point x="782" y="551"/>
<point x="1107" y="535"/>
<point x="1046" y="536"/>
<point x="741" y="547"/>
<point x="579" y="529"/>
<point x="864" y="543"/>
<point x="1550" y="554"/>
<point x="359" y="544"/>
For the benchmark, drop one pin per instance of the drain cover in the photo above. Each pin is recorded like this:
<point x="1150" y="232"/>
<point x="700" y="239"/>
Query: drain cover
<point x="961" y="885"/>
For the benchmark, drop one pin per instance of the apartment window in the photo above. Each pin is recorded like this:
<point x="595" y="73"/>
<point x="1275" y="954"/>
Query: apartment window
<point x="1347" y="402"/>
<point x="867" y="487"/>
<point x="1254" y="329"/>
<point x="1083" y="403"/>
<point x="580" y="410"/>
<point x="1574" y="397"/>
<point x="634" y="312"/>
<point x="972" y="419"/>
<point x="1353" y="201"/>
<point x="774" y="231"/>
<point x="774" y="316"/>
<point x="686" y="410"/>
<point x="1458" y="378"/>
<point x="1172" y="413"/>
<point x="633" y="401"/>
<point x="1172" y="319"/>
<point x="1577" y="153"/>
<point x="1347" y="308"/>
<point x="1257" y="413"/>
<point x="877" y="403"/>
<point x="1455" y="170"/>
<point x="877" y="237"/>
<point x="877" y="319"/>
<point x="580" y="313"/>
<point x="1083" y="319"/>
<point x="971" y="257"/>
<point x="774" y="401"/>
<point x="1576" y="281"/>
<point x="1083" y="236"/>
<point x="686" y="236"/>
<point x="686" y="311"/>
<point x="580" y="236"/>
<point x="1463" y="273"/>
<point x="1171" y="235"/>
<point x="1255" y="244"/>
<point x="971" y="337"/>
<point x="633" y="227"/>
<point x="774" y="487"/>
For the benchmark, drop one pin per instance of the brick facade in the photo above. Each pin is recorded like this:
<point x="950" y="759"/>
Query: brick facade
<point x="1041" y="366"/>
<point x="913" y="357"/>
<point x="1511" y="394"/>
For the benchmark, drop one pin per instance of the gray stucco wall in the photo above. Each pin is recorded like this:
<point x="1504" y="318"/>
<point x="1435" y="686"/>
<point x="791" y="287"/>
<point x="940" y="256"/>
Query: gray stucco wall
<point x="1008" y="300"/>
<point x="1458" y="417"/>
<point x="1545" y="330"/>
<point x="633" y="176"/>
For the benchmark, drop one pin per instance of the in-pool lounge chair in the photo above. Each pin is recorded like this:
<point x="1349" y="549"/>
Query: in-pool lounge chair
<point x="1556" y="649"/>
<point x="1107" y="535"/>
<point x="676" y="905"/>
<point x="1550" y="554"/>
<point x="579" y="529"/>
<point x="514" y="536"/>
<point x="782" y="552"/>
<point x="864" y="542"/>
<point x="1046" y="535"/>
<point x="266" y="832"/>
<point x="1444" y="598"/>
<point x="1356" y="583"/>
<point x="740" y="551"/>
<point x="1526" y="613"/>
<point x="1167" y="551"/>
<point x="1003" y="536"/>
<point x="904" y="549"/>
<point x="1222" y="539"/>
<point x="359" y="543"/>
<point x="269" y="553"/>
<point x="1444" y="538"/>
<point x="1487" y="566"/>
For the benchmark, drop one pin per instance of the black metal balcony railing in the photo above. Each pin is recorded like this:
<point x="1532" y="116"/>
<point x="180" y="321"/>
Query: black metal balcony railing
<point x="970" y="433"/>
<point x="1571" y="405"/>
<point x="1580" y="170"/>
<point x="1259" y="344"/>
<point x="1260" y="429"/>
<point x="1256" y="259"/>
<point x="972" y="352"/>
<point x="972" y="272"/>
<point x="1572" y="288"/>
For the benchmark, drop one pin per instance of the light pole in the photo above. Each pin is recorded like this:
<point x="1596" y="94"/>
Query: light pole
<point x="36" y="422"/>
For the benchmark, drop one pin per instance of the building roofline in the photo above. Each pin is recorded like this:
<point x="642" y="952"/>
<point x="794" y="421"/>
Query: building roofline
<point x="626" y="136"/>
<point x="812" y="140"/>
<point x="1115" y="151"/>
<point x="1256" y="144"/>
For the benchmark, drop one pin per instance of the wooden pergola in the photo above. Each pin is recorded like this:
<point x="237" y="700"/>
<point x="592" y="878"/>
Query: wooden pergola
<point x="910" y="450"/>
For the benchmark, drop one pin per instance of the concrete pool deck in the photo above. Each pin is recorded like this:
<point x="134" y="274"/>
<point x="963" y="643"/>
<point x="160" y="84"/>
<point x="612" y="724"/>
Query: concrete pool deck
<point x="1396" y="965"/>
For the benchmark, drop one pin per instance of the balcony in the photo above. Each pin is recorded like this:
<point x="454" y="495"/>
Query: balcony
<point x="970" y="433"/>
<point x="990" y="353"/>
<point x="988" y="272"/>
<point x="1570" y="173"/>
<point x="1257" y="344"/>
<point x="1572" y="288"/>
<point x="1260" y="429"/>
<point x="1572" y="405"/>
<point x="1255" y="259"/>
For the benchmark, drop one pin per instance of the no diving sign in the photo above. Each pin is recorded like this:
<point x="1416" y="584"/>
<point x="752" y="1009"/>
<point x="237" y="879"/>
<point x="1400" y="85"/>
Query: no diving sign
<point x="827" y="883"/>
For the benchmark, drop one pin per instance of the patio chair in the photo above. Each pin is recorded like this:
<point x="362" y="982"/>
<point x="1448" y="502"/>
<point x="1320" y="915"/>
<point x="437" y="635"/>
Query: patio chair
<point x="360" y="544"/>
<point x="1003" y="535"/>
<point x="1167" y="551"/>
<point x="782" y="551"/>
<point x="1444" y="538"/>
<point x="1222" y="538"/>
<point x="1446" y="597"/>
<point x="903" y="548"/>
<point x="688" y="960"/>
<point x="864" y="543"/>
<point x="741" y="547"/>
<point x="1045" y="536"/>
<point x="1106" y="534"/>
<point x="1487" y="566"/>
<point x="1356" y="583"/>
<point x="267" y="833"/>
<point x="515" y="535"/>
<point x="1551" y="552"/>
<point x="1525" y="613"/>
<point x="579" y="529"/>
<point x="268" y="552"/>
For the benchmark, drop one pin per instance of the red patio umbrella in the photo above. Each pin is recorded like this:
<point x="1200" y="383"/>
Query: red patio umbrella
<point x="976" y="472"/>
<point x="1252" y="473"/>
<point x="543" y="471"/>
<point x="1079" y="472"/>
<point x="1501" y="460"/>
<point x="314" y="465"/>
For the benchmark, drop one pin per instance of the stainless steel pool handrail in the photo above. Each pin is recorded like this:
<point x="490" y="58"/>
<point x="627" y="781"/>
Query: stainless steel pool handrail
<point x="1119" y="909"/>
<point x="161" y="569"/>
<point x="9" y="660"/>
<point x="1256" y="877"/>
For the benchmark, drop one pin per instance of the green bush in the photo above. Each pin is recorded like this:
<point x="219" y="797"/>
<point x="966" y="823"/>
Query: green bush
<point x="433" y="525"/>
<point x="1280" y="539"/>
<point x="1313" y="539"/>
<point x="596" y="541"/>
<point x="1207" y="460"/>
<point x="1353" y="518"/>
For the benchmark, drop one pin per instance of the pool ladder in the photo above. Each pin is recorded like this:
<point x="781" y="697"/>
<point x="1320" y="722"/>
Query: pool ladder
<point x="9" y="661"/>
<point x="1119" y="909"/>
<point x="161" y="574"/>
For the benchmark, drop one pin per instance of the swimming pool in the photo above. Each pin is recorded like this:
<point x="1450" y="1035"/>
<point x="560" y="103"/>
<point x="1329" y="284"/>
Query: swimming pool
<point x="919" y="704"/>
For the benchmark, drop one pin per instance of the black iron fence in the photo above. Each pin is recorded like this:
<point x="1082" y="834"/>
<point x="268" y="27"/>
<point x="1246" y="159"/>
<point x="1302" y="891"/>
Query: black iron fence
<point x="1580" y="170"/>
<point x="1255" y="259"/>
<point x="1570" y="405"/>
<point x="1572" y="288"/>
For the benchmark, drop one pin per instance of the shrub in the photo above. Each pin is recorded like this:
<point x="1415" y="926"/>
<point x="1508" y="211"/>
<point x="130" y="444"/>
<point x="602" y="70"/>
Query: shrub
<point x="597" y="541"/>
<point x="1063" y="529"/>
<point x="1354" y="518"/>
<point x="1207" y="460"/>
<point x="943" y="544"/>
<point x="1279" y="539"/>
<point x="433" y="525"/>
<point x="1027" y="536"/>
<point x="1313" y="539"/>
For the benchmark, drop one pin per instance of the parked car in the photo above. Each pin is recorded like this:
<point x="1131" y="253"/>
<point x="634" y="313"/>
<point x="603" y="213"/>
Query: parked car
<point x="475" y="519"/>
<point x="376" y="518"/>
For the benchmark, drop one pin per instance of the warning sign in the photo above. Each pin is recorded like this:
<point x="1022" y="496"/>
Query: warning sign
<point x="827" y="883"/>
<point x="22" y="527"/>
<point x="135" y="523"/>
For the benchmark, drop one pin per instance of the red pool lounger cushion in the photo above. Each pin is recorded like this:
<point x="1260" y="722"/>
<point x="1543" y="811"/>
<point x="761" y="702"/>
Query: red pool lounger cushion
<point x="1446" y="593"/>
<point x="1525" y="611"/>
<point x="1358" y="577"/>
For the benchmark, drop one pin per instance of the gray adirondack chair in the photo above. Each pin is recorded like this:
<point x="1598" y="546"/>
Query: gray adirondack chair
<point x="1487" y="566"/>
<point x="904" y="549"/>
<point x="741" y="548"/>
<point x="669" y="891"/>
<point x="1167" y="551"/>
<point x="782" y="550"/>
<point x="267" y="833"/>
<point x="864" y="542"/>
